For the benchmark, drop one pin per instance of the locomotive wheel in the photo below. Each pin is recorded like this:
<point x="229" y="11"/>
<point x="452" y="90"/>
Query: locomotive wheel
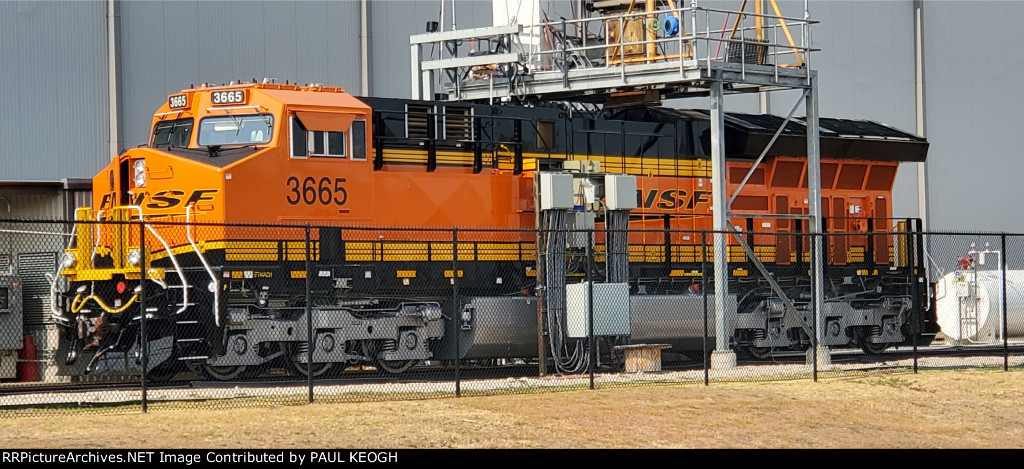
<point x="370" y="349"/>
<point x="224" y="373"/>
<point x="759" y="353"/>
<point x="319" y="369"/>
<point x="872" y="348"/>
<point x="394" y="366"/>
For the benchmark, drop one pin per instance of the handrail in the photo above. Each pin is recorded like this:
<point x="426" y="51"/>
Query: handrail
<point x="96" y="238"/>
<point x="595" y="50"/>
<point x="170" y="253"/>
<point x="55" y="312"/>
<point x="643" y="16"/>
<point x="79" y="301"/>
<point x="206" y="265"/>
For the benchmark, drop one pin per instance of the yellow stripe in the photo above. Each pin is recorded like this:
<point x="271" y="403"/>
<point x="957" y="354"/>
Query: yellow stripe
<point x="103" y="274"/>
<point x="443" y="251"/>
<point x="406" y="274"/>
<point x="296" y="251"/>
<point x="497" y="252"/>
<point x="298" y="274"/>
<point x="362" y="251"/>
<point x="268" y="251"/>
<point x="683" y="273"/>
<point x="404" y="251"/>
<point x="162" y="254"/>
<point x="241" y="251"/>
<point x="646" y="253"/>
<point x="647" y="166"/>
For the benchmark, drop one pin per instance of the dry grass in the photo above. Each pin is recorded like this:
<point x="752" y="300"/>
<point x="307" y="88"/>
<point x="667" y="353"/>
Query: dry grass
<point x="933" y="409"/>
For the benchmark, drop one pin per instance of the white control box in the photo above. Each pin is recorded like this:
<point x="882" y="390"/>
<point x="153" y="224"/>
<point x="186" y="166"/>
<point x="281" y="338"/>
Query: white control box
<point x="620" y="191"/>
<point x="611" y="309"/>
<point x="555" y="191"/>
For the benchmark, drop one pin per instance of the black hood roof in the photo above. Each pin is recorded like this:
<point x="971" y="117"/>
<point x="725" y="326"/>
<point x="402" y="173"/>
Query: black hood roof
<point x="748" y="134"/>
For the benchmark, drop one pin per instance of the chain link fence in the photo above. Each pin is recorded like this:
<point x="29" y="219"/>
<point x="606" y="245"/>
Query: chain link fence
<point x="127" y="316"/>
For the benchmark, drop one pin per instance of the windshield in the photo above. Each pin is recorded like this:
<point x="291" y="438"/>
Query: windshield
<point x="174" y="133"/>
<point x="235" y="130"/>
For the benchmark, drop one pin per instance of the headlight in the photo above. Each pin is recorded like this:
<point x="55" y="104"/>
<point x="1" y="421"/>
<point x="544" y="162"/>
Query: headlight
<point x="134" y="257"/>
<point x="139" y="173"/>
<point x="467" y="315"/>
<point x="69" y="260"/>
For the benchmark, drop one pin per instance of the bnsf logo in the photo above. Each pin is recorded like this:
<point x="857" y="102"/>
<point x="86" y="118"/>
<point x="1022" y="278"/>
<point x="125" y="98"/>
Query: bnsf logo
<point x="165" y="199"/>
<point x="672" y="199"/>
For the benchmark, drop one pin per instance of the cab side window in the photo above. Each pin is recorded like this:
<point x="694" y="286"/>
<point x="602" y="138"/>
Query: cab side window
<point x="298" y="139"/>
<point x="358" y="134"/>
<point x="312" y="136"/>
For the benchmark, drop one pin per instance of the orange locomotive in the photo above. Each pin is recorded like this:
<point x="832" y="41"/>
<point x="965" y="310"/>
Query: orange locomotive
<point x="373" y="177"/>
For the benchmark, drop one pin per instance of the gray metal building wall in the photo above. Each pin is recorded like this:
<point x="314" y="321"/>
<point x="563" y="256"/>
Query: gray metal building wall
<point x="392" y="22"/>
<point x="54" y="120"/>
<point x="169" y="46"/>
<point x="973" y="105"/>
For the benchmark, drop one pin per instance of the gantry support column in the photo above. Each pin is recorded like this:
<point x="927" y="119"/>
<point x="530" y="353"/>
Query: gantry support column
<point x="814" y="206"/>
<point x="422" y="79"/>
<point x="722" y="357"/>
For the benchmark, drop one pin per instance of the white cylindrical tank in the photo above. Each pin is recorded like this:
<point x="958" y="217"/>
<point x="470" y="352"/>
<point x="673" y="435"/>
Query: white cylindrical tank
<point x="969" y="305"/>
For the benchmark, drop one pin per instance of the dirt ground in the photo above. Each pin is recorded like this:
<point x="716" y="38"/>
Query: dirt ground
<point x="933" y="409"/>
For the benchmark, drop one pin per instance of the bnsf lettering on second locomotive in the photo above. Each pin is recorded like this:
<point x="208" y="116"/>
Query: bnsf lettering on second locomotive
<point x="672" y="199"/>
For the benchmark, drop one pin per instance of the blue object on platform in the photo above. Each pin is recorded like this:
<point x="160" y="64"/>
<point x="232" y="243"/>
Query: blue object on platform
<point x="671" y="25"/>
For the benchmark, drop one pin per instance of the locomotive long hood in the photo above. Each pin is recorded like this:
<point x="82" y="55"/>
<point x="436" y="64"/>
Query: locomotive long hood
<point x="748" y="134"/>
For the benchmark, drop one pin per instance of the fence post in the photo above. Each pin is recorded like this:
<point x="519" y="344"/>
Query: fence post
<point x="815" y="279"/>
<point x="704" y="293"/>
<point x="590" y="308"/>
<point x="142" y="314"/>
<point x="456" y="313"/>
<point x="309" y="316"/>
<point x="918" y="269"/>
<point x="1006" y="324"/>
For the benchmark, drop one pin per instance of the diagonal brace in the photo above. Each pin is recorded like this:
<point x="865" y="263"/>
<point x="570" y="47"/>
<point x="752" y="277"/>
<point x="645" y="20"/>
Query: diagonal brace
<point x="767" y="147"/>
<point x="790" y="309"/>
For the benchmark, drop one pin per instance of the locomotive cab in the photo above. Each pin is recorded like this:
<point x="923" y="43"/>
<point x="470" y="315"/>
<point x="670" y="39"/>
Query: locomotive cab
<point x="205" y="144"/>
